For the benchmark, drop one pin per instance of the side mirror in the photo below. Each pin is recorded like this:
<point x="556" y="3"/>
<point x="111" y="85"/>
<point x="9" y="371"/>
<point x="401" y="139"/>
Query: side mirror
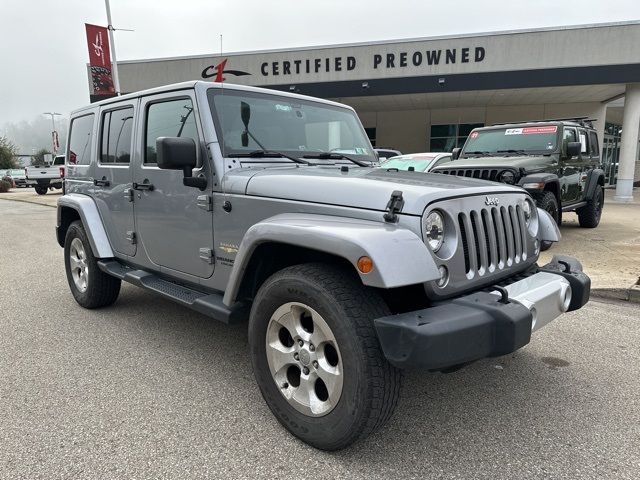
<point x="573" y="149"/>
<point x="455" y="153"/>
<point x="179" y="153"/>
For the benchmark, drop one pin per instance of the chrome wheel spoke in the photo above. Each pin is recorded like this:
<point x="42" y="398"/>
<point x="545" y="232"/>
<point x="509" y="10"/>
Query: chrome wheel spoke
<point x="78" y="264"/>
<point x="331" y="376"/>
<point x="280" y="356"/>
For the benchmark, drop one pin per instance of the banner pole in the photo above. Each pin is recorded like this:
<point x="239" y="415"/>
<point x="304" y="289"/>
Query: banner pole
<point x="114" y="62"/>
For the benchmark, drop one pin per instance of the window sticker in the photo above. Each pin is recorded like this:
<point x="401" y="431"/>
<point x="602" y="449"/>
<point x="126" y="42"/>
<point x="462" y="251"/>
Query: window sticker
<point x="531" y="130"/>
<point x="474" y="134"/>
<point x="583" y="143"/>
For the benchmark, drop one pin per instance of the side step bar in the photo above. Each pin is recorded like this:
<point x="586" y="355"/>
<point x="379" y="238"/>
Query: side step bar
<point x="209" y="304"/>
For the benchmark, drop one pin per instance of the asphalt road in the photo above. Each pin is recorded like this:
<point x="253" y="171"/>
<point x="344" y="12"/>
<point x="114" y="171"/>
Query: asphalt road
<point x="147" y="389"/>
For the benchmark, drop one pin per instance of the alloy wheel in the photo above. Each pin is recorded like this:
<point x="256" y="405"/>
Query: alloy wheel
<point x="304" y="359"/>
<point x="78" y="265"/>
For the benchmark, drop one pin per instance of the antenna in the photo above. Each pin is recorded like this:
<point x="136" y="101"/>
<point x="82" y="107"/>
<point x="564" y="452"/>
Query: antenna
<point x="222" y="94"/>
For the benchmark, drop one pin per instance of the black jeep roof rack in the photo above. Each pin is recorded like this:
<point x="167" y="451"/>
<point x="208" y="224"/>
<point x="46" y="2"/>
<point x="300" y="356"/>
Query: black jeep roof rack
<point x="584" y="121"/>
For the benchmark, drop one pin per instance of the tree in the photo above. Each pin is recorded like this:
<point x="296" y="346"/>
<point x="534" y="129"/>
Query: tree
<point x="7" y="154"/>
<point x="38" y="158"/>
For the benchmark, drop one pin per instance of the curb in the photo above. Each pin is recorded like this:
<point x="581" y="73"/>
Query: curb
<point x="631" y="294"/>
<point x="28" y="201"/>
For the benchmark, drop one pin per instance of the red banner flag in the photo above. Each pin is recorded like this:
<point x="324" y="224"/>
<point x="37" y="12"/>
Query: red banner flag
<point x="100" y="60"/>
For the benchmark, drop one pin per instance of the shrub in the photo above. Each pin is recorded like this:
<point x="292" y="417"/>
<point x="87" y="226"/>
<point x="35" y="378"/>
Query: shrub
<point x="4" y="186"/>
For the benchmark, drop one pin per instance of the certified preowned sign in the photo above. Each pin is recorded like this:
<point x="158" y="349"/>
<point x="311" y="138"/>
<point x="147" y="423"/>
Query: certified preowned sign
<point x="352" y="63"/>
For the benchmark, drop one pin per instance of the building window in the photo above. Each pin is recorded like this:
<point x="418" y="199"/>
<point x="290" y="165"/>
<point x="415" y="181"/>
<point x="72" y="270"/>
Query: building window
<point x="371" y="133"/>
<point x="445" y="138"/>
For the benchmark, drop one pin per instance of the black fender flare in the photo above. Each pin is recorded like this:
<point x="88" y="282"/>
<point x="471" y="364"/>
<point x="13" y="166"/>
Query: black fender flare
<point x="595" y="178"/>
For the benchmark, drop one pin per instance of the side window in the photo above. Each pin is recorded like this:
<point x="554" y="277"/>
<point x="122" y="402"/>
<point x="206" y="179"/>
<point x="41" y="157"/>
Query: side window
<point x="593" y="141"/>
<point x="173" y="118"/>
<point x="569" y="135"/>
<point x="117" y="128"/>
<point x="80" y="140"/>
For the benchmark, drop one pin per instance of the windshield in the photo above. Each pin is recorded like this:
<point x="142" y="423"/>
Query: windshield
<point x="404" y="162"/>
<point x="513" y="140"/>
<point x="297" y="127"/>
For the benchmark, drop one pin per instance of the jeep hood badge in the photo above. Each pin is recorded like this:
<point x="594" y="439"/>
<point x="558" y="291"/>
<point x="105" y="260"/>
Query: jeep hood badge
<point x="491" y="201"/>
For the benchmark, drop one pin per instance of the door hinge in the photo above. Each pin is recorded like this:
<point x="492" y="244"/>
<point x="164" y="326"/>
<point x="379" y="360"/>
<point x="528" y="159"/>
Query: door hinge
<point x="128" y="194"/>
<point x="205" y="202"/>
<point x="206" y="254"/>
<point x="131" y="237"/>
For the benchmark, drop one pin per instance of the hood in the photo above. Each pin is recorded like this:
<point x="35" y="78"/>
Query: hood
<point x="358" y="187"/>
<point x="527" y="162"/>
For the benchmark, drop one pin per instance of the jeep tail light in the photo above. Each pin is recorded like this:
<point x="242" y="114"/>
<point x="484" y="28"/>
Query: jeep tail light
<point x="61" y="172"/>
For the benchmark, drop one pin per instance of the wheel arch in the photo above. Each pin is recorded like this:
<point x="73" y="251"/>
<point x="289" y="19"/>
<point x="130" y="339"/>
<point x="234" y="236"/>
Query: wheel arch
<point x="595" y="179"/>
<point x="72" y="207"/>
<point x="547" y="182"/>
<point x="298" y="238"/>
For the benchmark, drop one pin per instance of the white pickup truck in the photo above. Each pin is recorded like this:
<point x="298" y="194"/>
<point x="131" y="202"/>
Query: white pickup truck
<point x="48" y="176"/>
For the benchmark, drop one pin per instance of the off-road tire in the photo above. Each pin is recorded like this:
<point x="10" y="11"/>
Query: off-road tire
<point x="589" y="215"/>
<point x="371" y="385"/>
<point x="102" y="289"/>
<point x="41" y="190"/>
<point x="548" y="202"/>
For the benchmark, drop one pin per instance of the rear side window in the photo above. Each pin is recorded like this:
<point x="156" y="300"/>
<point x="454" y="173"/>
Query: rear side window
<point x="174" y="118"/>
<point x="117" y="127"/>
<point x="593" y="142"/>
<point x="80" y="140"/>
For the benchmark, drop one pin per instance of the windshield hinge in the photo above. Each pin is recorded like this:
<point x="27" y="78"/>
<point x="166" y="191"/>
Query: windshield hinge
<point x="394" y="205"/>
<point x="206" y="254"/>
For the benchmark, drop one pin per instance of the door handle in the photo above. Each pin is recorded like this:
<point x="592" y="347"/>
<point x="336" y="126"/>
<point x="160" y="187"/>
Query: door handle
<point x="101" y="183"/>
<point x="143" y="186"/>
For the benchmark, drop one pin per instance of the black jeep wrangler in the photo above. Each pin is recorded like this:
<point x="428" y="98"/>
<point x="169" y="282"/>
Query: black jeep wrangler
<point x="556" y="161"/>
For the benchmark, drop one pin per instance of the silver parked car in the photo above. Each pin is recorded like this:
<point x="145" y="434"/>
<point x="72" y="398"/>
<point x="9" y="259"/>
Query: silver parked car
<point x="250" y="204"/>
<point x="418" y="162"/>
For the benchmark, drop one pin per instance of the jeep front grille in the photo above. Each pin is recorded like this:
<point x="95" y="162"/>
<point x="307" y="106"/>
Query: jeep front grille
<point x="481" y="173"/>
<point x="492" y="238"/>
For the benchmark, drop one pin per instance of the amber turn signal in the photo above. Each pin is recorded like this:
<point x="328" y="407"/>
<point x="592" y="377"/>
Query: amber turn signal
<point x="365" y="265"/>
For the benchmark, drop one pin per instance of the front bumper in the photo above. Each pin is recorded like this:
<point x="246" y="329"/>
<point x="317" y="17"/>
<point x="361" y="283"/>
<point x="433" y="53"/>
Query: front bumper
<point x="486" y="323"/>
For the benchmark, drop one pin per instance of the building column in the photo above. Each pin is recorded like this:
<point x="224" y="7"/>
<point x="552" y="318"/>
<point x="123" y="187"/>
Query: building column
<point x="629" y="143"/>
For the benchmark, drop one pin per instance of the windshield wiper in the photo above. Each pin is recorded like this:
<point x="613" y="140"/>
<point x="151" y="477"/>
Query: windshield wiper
<point x="511" y="151"/>
<point x="273" y="153"/>
<point x="477" y="152"/>
<point x="336" y="156"/>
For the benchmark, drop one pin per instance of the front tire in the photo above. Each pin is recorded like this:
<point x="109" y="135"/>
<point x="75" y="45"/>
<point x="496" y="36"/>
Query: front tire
<point x="589" y="215"/>
<point x="316" y="357"/>
<point x="547" y="201"/>
<point x="90" y="286"/>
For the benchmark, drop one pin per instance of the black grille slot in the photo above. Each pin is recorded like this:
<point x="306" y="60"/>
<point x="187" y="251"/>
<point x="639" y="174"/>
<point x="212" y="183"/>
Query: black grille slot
<point x="465" y="244"/>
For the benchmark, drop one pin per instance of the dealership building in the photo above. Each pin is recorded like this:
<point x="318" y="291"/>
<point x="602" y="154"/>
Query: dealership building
<point x="426" y="94"/>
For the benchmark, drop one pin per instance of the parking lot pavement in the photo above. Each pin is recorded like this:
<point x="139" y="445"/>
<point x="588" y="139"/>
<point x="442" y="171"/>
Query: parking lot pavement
<point x="147" y="389"/>
<point x="610" y="252"/>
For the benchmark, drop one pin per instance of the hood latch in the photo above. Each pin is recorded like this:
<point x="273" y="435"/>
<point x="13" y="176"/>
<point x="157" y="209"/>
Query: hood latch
<point x="394" y="205"/>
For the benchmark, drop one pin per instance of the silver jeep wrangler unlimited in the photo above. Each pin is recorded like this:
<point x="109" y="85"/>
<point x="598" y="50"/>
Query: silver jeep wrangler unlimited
<point x="243" y="203"/>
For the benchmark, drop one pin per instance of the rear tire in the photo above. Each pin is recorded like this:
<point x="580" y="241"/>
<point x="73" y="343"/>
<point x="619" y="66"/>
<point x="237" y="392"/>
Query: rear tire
<point x="333" y="302"/>
<point x="547" y="201"/>
<point x="90" y="286"/>
<point x="41" y="190"/>
<point x="589" y="215"/>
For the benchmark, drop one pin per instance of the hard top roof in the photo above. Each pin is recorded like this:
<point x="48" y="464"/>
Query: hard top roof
<point x="201" y="84"/>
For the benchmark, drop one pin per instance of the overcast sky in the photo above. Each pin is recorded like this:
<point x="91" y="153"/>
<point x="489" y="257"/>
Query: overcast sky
<point x="43" y="50"/>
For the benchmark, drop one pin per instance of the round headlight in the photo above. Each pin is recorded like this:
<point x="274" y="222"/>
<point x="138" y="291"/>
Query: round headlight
<point x="530" y="213"/>
<point x="507" y="176"/>
<point x="434" y="230"/>
<point x="526" y="209"/>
